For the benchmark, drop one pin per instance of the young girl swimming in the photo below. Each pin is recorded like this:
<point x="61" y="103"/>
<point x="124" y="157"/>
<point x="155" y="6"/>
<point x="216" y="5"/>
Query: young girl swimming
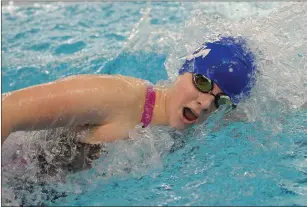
<point x="104" y="108"/>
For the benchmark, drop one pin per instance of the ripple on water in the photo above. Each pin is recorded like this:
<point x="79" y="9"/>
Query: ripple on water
<point x="44" y="46"/>
<point x="69" y="48"/>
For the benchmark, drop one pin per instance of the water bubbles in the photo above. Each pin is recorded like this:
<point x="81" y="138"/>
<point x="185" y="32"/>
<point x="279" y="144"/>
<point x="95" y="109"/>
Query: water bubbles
<point x="138" y="155"/>
<point x="46" y="72"/>
<point x="56" y="149"/>
<point x="11" y="8"/>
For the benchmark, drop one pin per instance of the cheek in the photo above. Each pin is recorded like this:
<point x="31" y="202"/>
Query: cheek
<point x="175" y="109"/>
<point x="186" y="93"/>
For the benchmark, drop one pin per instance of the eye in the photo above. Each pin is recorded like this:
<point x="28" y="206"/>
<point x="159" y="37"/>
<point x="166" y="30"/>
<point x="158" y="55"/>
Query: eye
<point x="201" y="80"/>
<point x="224" y="101"/>
<point x="203" y="83"/>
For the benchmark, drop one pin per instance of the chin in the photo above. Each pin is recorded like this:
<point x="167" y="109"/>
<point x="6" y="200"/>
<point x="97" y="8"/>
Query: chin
<point x="176" y="122"/>
<point x="178" y="125"/>
<point x="180" y="128"/>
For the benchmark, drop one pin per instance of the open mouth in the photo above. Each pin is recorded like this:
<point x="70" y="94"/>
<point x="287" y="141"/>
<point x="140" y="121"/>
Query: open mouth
<point x="188" y="114"/>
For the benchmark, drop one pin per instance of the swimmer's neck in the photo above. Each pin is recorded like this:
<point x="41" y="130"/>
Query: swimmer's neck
<point x="160" y="115"/>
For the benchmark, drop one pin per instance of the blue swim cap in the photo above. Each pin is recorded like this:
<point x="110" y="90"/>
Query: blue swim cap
<point x="228" y="62"/>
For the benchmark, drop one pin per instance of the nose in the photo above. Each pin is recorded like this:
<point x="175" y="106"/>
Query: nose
<point x="205" y="100"/>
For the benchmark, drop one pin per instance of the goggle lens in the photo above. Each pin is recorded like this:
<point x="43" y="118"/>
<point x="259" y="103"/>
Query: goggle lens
<point x="202" y="83"/>
<point x="225" y="102"/>
<point x="205" y="85"/>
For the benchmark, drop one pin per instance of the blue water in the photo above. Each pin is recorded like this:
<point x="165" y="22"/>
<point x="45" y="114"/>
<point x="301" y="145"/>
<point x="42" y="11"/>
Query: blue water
<point x="230" y="163"/>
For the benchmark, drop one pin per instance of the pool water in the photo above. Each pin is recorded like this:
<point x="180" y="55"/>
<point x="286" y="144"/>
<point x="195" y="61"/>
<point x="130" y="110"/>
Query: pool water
<point x="260" y="159"/>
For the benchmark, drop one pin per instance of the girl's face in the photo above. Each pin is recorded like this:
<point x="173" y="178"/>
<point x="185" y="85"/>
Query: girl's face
<point x="186" y="105"/>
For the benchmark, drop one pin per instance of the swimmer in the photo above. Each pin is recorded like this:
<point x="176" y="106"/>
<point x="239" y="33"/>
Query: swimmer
<point x="216" y="76"/>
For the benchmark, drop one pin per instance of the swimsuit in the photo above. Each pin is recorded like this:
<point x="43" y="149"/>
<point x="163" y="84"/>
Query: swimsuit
<point x="149" y="106"/>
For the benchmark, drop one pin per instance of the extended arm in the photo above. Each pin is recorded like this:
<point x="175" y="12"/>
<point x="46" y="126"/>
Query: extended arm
<point x="70" y="101"/>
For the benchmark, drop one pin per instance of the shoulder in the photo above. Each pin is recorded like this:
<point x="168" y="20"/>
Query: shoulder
<point x="117" y="79"/>
<point x="115" y="91"/>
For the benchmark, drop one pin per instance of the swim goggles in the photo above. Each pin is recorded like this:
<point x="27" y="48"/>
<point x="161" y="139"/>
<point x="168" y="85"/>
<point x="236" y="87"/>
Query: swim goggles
<point x="205" y="85"/>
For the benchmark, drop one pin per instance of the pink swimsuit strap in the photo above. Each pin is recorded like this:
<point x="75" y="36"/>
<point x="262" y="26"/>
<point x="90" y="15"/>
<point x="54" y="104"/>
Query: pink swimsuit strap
<point x="149" y="106"/>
